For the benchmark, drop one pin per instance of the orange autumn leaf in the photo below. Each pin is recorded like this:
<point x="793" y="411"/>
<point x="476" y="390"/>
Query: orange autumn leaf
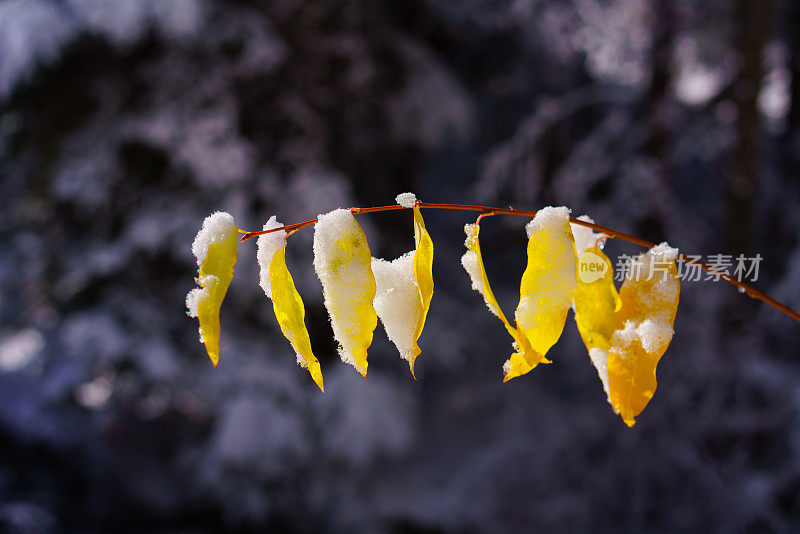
<point x="643" y="329"/>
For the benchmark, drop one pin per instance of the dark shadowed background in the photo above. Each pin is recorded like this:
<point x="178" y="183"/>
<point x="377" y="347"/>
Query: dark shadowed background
<point x="124" y="123"/>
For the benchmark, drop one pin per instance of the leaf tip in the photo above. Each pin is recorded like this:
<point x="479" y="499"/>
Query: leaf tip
<point x="630" y="422"/>
<point x="317" y="377"/>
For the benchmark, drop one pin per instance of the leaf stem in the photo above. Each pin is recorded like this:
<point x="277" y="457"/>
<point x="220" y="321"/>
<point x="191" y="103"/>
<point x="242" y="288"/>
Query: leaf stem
<point x="610" y="232"/>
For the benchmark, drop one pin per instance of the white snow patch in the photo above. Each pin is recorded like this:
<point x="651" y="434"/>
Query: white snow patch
<point x="197" y="294"/>
<point x="663" y="252"/>
<point x="407" y="200"/>
<point x="549" y="219"/>
<point x="300" y="360"/>
<point x="215" y="228"/>
<point x="655" y="263"/>
<point x="20" y="349"/>
<point x="666" y="289"/>
<point x="192" y="299"/>
<point x="397" y="301"/>
<point x="267" y="245"/>
<point x="585" y="238"/>
<point x="470" y="263"/>
<point x="654" y="334"/>
<point x="599" y="359"/>
<point x="624" y="338"/>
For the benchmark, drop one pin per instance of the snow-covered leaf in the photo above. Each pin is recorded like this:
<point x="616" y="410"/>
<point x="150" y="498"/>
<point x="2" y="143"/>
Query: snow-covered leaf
<point x="643" y="329"/>
<point x="215" y="250"/>
<point x="546" y="289"/>
<point x="342" y="262"/>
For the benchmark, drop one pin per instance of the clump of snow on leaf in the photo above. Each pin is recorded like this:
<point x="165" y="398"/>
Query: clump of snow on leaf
<point x="195" y="295"/>
<point x="599" y="359"/>
<point x="267" y="245"/>
<point x="549" y="219"/>
<point x="397" y="300"/>
<point x="407" y="200"/>
<point x="654" y="263"/>
<point x="471" y="264"/>
<point x="654" y="331"/>
<point x="664" y="252"/>
<point x="653" y="334"/>
<point x="215" y="227"/>
<point x="342" y="263"/>
<point x="585" y="238"/>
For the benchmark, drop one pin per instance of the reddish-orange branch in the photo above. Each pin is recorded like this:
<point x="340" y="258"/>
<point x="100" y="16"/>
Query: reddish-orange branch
<point x="747" y="288"/>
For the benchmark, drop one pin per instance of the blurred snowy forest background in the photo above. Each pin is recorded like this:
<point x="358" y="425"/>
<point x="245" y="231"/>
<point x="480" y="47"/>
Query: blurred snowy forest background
<point x="124" y="123"/>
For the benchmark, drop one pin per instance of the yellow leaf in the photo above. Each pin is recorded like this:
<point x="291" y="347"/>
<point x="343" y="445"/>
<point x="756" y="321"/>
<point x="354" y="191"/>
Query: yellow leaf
<point x="404" y="292"/>
<point x="643" y="329"/>
<point x="290" y="313"/>
<point x="342" y="261"/>
<point x="423" y="274"/>
<point x="595" y="301"/>
<point x="472" y="261"/>
<point x="546" y="289"/>
<point x="215" y="247"/>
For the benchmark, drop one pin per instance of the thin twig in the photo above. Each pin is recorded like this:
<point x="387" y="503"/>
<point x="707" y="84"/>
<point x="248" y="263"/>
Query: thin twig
<point x="487" y="210"/>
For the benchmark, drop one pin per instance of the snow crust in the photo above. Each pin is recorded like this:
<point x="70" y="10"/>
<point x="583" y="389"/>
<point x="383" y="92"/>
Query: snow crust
<point x="266" y="246"/>
<point x="599" y="359"/>
<point x="215" y="228"/>
<point x="549" y="219"/>
<point x="585" y="238"/>
<point x="655" y="332"/>
<point x="397" y="300"/>
<point x="654" y="263"/>
<point x="195" y="295"/>
<point x="407" y="200"/>
<point x="471" y="264"/>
